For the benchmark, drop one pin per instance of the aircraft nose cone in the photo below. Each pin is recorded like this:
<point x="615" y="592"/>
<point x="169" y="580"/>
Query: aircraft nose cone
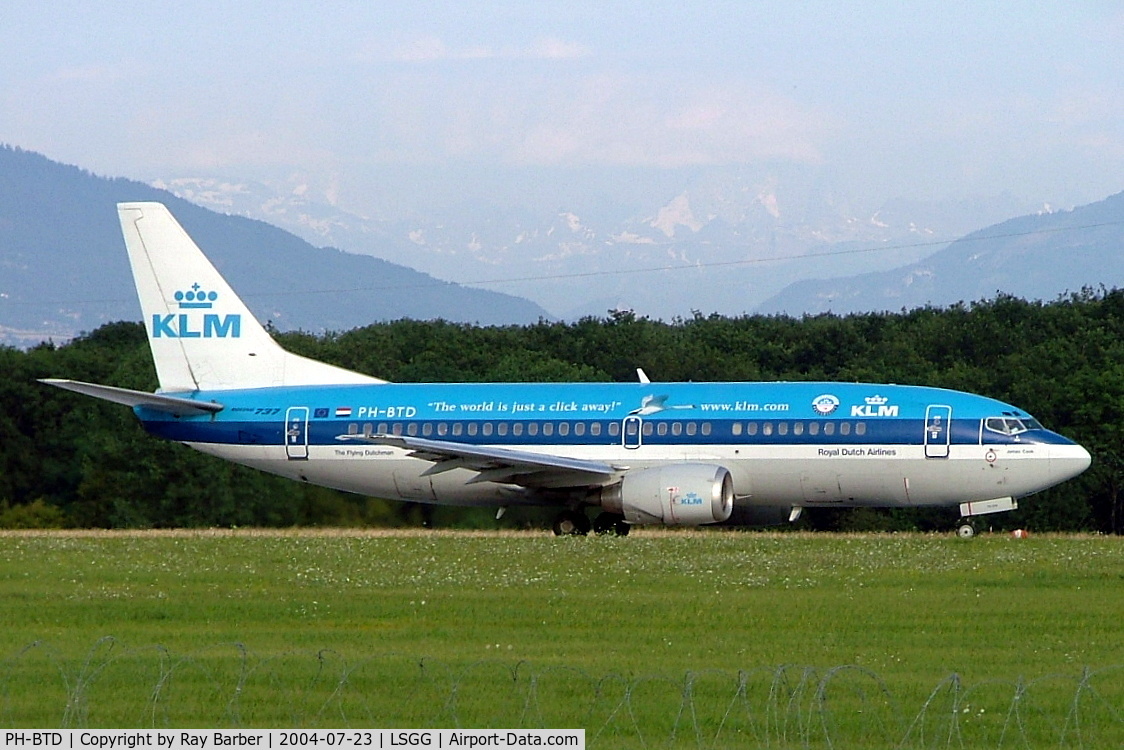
<point x="1067" y="461"/>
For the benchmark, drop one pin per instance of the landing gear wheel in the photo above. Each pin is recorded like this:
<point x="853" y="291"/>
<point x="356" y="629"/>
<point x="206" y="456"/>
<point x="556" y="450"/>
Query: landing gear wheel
<point x="571" y="523"/>
<point x="965" y="529"/>
<point x="611" y="523"/>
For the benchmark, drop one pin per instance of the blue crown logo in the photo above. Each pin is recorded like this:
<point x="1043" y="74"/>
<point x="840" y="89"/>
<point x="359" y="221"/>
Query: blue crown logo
<point x="195" y="298"/>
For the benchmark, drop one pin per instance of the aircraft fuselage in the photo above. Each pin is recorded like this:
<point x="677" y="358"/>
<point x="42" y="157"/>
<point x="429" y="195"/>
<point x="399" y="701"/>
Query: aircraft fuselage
<point x="785" y="444"/>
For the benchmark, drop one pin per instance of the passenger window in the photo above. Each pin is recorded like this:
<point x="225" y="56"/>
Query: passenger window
<point x="547" y="428"/>
<point x="814" y="428"/>
<point x="383" y="429"/>
<point x="501" y="429"/>
<point x="661" y="429"/>
<point x="736" y="429"/>
<point x="829" y="428"/>
<point x="614" y="429"/>
<point x="564" y="429"/>
<point x="458" y="428"/>
<point x="751" y="428"/>
<point x="845" y="428"/>
<point x="353" y="429"/>
<point x="412" y="429"/>
<point x="782" y="428"/>
<point x="427" y="429"/>
<point x="860" y="428"/>
<point x="798" y="428"/>
<point x="595" y="429"/>
<point x="517" y="429"/>
<point x="396" y="429"/>
<point x="677" y="428"/>
<point x="487" y="429"/>
<point x="472" y="427"/>
<point x="579" y="429"/>
<point x="692" y="428"/>
<point x="533" y="428"/>
<point x="767" y="428"/>
<point x="442" y="428"/>
<point x="706" y="428"/>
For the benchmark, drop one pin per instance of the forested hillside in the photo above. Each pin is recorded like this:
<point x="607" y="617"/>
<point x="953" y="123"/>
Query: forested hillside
<point x="69" y="460"/>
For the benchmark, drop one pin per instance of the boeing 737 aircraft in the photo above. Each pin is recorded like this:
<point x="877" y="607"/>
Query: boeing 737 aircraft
<point x="642" y="453"/>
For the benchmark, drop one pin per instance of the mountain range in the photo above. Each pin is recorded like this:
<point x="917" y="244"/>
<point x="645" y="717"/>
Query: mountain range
<point x="1041" y="256"/>
<point x="730" y="241"/>
<point x="716" y="240"/>
<point x="63" y="267"/>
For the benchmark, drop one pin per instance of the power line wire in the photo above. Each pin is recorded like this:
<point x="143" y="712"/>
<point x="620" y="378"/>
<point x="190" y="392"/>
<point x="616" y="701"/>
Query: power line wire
<point x="632" y="271"/>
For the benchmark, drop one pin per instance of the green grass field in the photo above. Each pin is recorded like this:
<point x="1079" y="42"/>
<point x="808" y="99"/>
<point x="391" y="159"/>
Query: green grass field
<point x="660" y="639"/>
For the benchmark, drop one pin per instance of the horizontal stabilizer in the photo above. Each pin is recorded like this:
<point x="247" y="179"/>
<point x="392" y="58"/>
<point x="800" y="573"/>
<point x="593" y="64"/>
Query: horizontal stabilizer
<point x="181" y="407"/>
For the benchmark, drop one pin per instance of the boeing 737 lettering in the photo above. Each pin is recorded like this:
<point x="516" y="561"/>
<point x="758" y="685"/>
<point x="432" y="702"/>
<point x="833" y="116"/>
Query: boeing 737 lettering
<point x="684" y="454"/>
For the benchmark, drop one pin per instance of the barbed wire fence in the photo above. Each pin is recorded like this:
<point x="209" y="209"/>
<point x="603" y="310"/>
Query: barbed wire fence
<point x="790" y="706"/>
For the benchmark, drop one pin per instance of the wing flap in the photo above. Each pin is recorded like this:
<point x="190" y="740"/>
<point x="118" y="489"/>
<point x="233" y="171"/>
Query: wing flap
<point x="501" y="465"/>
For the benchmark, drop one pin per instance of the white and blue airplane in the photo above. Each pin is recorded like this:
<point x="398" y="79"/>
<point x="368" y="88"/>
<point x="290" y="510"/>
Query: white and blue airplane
<point x="682" y="454"/>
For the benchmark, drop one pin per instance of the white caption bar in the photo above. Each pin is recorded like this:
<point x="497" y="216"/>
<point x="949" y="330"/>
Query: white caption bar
<point x="362" y="739"/>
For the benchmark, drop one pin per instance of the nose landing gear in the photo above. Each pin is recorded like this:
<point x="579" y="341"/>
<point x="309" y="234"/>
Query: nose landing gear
<point x="965" y="528"/>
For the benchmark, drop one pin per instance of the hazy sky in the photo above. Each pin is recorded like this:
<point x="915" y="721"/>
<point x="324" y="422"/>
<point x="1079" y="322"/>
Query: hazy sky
<point x="891" y="98"/>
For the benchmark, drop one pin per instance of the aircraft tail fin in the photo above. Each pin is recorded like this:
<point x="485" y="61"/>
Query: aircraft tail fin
<point x="203" y="337"/>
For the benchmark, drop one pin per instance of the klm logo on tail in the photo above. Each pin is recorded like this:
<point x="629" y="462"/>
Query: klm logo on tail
<point x="194" y="325"/>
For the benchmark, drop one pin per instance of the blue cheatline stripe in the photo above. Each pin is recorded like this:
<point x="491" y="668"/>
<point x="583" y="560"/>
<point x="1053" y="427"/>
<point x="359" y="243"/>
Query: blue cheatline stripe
<point x="891" y="415"/>
<point x="581" y="401"/>
<point x="721" y="432"/>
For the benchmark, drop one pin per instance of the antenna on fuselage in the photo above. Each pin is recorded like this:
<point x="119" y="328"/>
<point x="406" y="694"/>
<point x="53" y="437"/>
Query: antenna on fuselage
<point x="644" y="379"/>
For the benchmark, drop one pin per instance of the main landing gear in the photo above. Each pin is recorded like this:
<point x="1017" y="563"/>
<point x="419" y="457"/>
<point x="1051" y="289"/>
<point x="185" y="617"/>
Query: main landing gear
<point x="611" y="523"/>
<point x="576" y="523"/>
<point x="571" y="523"/>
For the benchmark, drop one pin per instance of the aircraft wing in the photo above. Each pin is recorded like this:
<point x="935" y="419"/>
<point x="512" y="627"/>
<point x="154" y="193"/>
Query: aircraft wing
<point x="499" y="464"/>
<point x="181" y="407"/>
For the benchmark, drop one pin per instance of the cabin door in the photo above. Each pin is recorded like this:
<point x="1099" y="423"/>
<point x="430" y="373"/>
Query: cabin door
<point x="938" y="431"/>
<point x="296" y="433"/>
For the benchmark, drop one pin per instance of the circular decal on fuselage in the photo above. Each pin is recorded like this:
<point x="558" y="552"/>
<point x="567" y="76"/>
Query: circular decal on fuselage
<point x="825" y="404"/>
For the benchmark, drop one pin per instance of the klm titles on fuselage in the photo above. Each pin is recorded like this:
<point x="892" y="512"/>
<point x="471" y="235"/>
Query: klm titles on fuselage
<point x="196" y="325"/>
<point x="867" y="410"/>
<point x="875" y="406"/>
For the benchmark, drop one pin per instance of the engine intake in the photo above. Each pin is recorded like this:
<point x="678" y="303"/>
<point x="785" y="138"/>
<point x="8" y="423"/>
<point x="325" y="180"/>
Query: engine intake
<point x="674" y="495"/>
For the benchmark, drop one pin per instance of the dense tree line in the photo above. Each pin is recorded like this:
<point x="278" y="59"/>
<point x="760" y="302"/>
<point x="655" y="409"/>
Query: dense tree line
<point x="70" y="460"/>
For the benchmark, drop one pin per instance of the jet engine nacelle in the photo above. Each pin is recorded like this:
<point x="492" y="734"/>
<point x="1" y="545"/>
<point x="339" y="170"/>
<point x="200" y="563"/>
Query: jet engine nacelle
<point x="675" y="495"/>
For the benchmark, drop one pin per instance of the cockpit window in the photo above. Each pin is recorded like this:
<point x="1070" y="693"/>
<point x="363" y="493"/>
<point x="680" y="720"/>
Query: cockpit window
<point x="1010" y="425"/>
